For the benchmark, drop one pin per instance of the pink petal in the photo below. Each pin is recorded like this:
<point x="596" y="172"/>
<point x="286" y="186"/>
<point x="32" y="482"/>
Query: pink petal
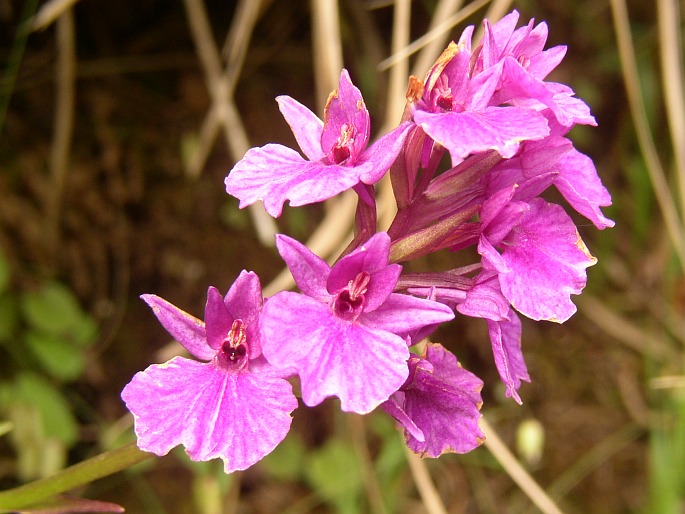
<point x="401" y="314"/>
<point x="444" y="402"/>
<point x="237" y="417"/>
<point x="505" y="337"/>
<point x="306" y="126"/>
<point x="244" y="301"/>
<point x="186" y="329"/>
<point x="275" y="173"/>
<point x="547" y="259"/>
<point x="309" y="271"/>
<point x="495" y="128"/>
<point x="359" y="365"/>
<point x="346" y="106"/>
<point x="579" y="183"/>
<point x="376" y="160"/>
<point x="217" y="320"/>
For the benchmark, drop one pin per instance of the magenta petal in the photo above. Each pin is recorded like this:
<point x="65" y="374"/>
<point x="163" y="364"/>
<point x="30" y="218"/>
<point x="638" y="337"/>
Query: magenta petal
<point x="274" y="173"/>
<point x="505" y="337"/>
<point x="371" y="258"/>
<point x="495" y="128"/>
<point x="401" y="314"/>
<point x="237" y="417"/>
<point x="244" y="298"/>
<point x="244" y="301"/>
<point x="547" y="259"/>
<point x="444" y="401"/>
<point x="376" y="160"/>
<point x="186" y="329"/>
<point x="394" y="407"/>
<point x="306" y="126"/>
<point x="485" y="299"/>
<point x="359" y="365"/>
<point x="309" y="271"/>
<point x="346" y="107"/>
<point x="582" y="188"/>
<point x="217" y="320"/>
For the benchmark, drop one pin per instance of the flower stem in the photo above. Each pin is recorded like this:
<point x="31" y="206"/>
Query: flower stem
<point x="79" y="474"/>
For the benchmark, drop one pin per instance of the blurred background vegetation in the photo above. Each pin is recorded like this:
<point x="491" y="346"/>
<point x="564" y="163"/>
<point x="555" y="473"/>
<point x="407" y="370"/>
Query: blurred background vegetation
<point x="118" y="123"/>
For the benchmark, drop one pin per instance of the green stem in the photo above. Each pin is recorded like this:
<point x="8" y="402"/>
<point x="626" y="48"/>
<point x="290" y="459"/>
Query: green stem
<point x="79" y="474"/>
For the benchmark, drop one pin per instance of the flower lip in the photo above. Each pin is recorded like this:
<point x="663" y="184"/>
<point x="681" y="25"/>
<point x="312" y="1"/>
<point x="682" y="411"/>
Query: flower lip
<point x="348" y="303"/>
<point x="343" y="149"/>
<point x="234" y="350"/>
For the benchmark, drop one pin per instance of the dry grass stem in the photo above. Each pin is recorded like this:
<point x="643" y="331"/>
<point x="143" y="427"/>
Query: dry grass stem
<point x="668" y="382"/>
<point x="327" y="48"/>
<point x="431" y="35"/>
<point x="432" y="49"/>
<point x="361" y="448"/>
<point x="498" y="9"/>
<point x="624" y="330"/>
<point x="337" y="221"/>
<point x="424" y="484"/>
<point x="49" y="12"/>
<point x="221" y="88"/>
<point x="516" y="471"/>
<point x="670" y="39"/>
<point x="635" y="100"/>
<point x="600" y="454"/>
<point x="63" y="123"/>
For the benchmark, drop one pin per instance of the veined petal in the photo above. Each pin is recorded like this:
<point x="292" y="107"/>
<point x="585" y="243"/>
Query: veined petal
<point x="346" y="106"/>
<point x="505" y="337"/>
<point x="217" y="320"/>
<point x="309" y="271"/>
<point x="359" y="365"/>
<point x="244" y="301"/>
<point x="237" y="417"/>
<point x="485" y="299"/>
<point x="306" y="126"/>
<point x="495" y="128"/>
<point x="394" y="408"/>
<point x="375" y="161"/>
<point x="579" y="183"/>
<point x="444" y="401"/>
<point x="548" y="260"/>
<point x="274" y="173"/>
<point x="186" y="329"/>
<point x="401" y="314"/>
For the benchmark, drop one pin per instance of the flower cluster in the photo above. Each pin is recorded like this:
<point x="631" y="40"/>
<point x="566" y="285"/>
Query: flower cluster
<point x="347" y="333"/>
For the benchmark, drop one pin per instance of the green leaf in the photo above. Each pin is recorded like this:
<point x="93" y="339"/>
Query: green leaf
<point x="55" y="414"/>
<point x="9" y="317"/>
<point x="4" y="272"/>
<point x="55" y="310"/>
<point x="333" y="472"/>
<point x="62" y="359"/>
<point x="286" y="461"/>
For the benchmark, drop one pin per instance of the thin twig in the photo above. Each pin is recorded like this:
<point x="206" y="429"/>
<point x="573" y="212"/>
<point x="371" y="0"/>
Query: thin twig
<point x="49" y="12"/>
<point x="373" y="489"/>
<point x="624" y="330"/>
<point x="63" y="123"/>
<point x="516" y="471"/>
<point x="221" y="89"/>
<point x="337" y="221"/>
<point x="14" y="59"/>
<point x="326" y="47"/>
<point x="432" y="49"/>
<point x="429" y="36"/>
<point x="645" y="140"/>
<point x="424" y="484"/>
<point x="498" y="9"/>
<point x="670" y="40"/>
